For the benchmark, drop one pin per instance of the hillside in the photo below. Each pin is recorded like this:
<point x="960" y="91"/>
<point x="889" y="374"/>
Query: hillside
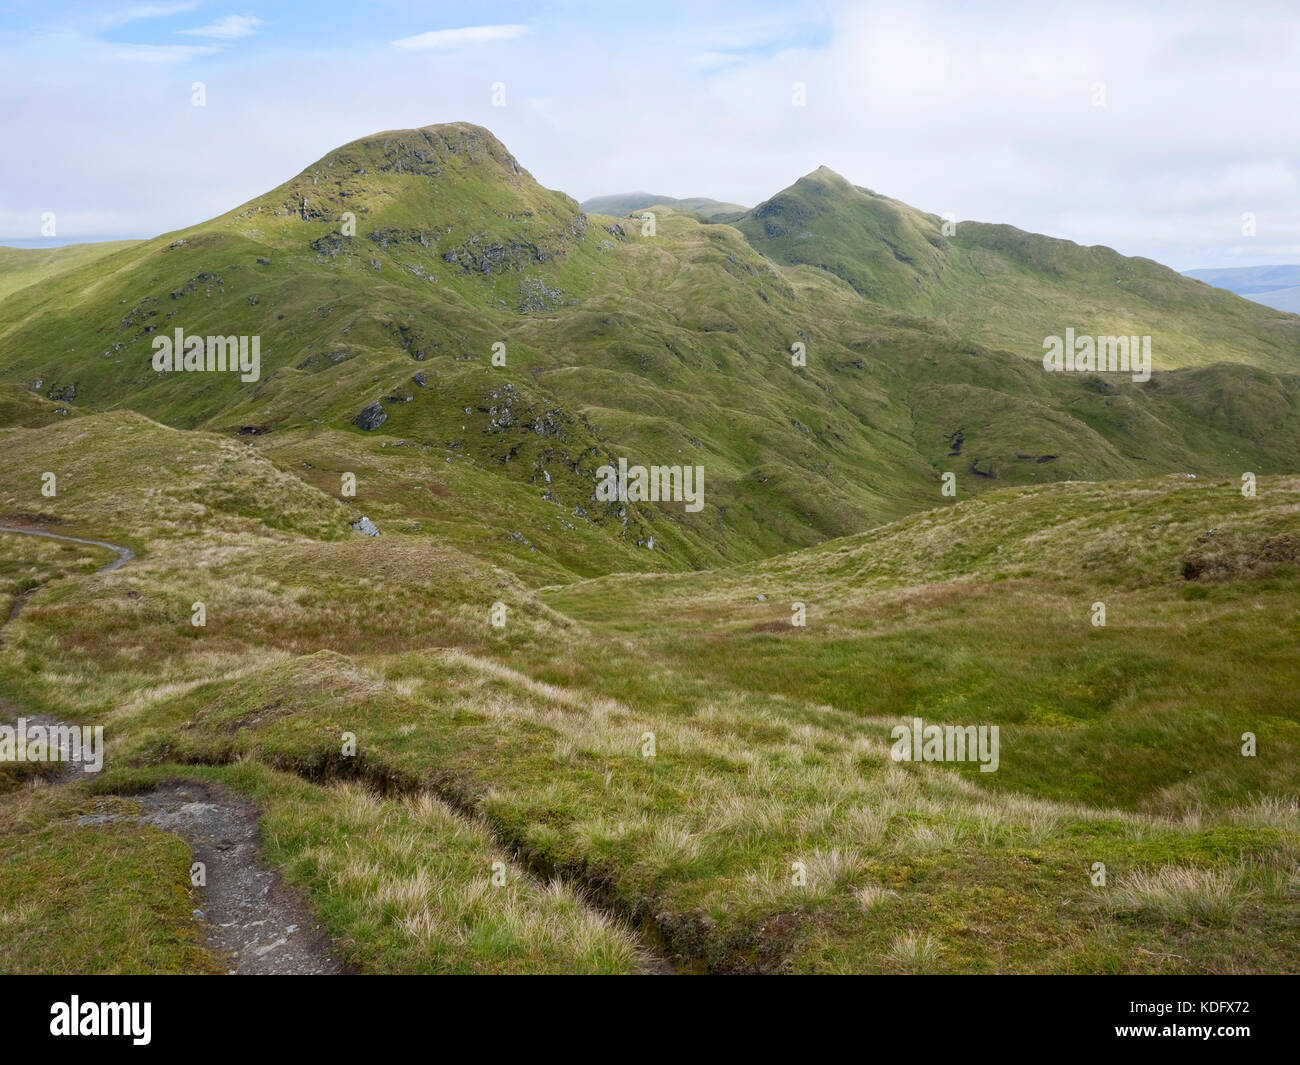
<point x="671" y="348"/>
<point x="998" y="285"/>
<point x="1119" y="744"/>
<point x="20" y="267"/>
<point x="524" y="729"/>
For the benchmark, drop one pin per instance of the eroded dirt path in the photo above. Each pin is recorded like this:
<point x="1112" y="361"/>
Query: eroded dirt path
<point x="251" y="918"/>
<point x="124" y="554"/>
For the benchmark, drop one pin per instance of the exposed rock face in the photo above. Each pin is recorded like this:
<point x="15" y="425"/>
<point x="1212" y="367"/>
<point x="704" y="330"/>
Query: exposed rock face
<point x="536" y="295"/>
<point x="331" y="244"/>
<point x="371" y="418"/>
<point x="366" y="527"/>
<point x="421" y="379"/>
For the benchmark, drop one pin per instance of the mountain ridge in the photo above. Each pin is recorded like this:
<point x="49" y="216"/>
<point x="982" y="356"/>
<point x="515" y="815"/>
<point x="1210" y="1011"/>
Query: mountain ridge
<point x="382" y="277"/>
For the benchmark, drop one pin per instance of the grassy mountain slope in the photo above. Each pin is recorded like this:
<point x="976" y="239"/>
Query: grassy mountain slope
<point x="982" y="611"/>
<point x="20" y="267"/>
<point x="1119" y="744"/>
<point x="672" y="348"/>
<point x="999" y="285"/>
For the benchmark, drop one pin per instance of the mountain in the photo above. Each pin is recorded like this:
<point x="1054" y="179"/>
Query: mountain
<point x="1273" y="286"/>
<point x="381" y="277"/>
<point x="624" y="203"/>
<point x="649" y="716"/>
<point x="1001" y="286"/>
<point x="20" y="267"/>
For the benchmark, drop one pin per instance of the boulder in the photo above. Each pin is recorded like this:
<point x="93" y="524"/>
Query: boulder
<point x="371" y="418"/>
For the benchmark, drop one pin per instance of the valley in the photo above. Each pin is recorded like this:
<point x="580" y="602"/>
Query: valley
<point x="537" y="726"/>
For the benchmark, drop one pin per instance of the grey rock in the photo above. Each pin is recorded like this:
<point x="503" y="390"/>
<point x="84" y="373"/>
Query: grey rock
<point x="371" y="418"/>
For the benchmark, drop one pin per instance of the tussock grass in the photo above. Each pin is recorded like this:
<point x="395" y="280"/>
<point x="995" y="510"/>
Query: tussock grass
<point x="1181" y="893"/>
<point x="914" y="952"/>
<point x="768" y="749"/>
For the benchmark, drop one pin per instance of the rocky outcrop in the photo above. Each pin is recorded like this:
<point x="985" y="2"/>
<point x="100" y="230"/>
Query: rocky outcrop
<point x="371" y="418"/>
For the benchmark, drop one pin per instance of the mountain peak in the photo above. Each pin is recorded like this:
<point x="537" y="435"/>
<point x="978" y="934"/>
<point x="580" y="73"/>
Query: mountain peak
<point x="428" y="148"/>
<point x="824" y="175"/>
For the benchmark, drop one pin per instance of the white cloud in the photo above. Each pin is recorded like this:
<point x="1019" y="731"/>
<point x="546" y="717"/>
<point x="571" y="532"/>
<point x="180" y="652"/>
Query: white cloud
<point x="159" y="53"/>
<point x="714" y="60"/>
<point x="227" y="28"/>
<point x="137" y="12"/>
<point x="931" y="103"/>
<point x="445" y="40"/>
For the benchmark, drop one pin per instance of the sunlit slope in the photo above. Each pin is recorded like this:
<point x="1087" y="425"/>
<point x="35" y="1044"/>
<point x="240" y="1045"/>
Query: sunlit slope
<point x="1000" y="285"/>
<point x="986" y="612"/>
<point x="384" y="277"/>
<point x="20" y="267"/>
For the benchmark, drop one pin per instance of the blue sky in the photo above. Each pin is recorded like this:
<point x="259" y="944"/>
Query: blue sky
<point x="1152" y="128"/>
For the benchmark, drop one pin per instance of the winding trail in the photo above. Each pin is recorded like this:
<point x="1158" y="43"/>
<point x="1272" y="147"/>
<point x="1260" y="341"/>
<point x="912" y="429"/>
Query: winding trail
<point x="124" y="554"/>
<point x="250" y="916"/>
<point x="252" y="919"/>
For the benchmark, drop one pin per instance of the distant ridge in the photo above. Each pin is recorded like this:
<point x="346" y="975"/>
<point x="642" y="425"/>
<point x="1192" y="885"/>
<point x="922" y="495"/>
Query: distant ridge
<point x="623" y="203"/>
<point x="419" y="289"/>
<point x="1273" y="286"/>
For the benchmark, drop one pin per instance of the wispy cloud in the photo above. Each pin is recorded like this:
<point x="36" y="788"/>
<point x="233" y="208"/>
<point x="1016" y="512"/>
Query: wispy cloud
<point x="227" y="28"/>
<point x="159" y="53"/>
<point x="445" y="40"/>
<point x="714" y="60"/>
<point x="137" y="12"/>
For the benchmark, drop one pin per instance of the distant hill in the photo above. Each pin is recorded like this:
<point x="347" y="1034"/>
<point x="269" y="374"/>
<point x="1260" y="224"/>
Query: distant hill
<point x="20" y="267"/>
<point x="381" y="278"/>
<point x="1273" y="286"/>
<point x="1002" y="286"/>
<point x="625" y="203"/>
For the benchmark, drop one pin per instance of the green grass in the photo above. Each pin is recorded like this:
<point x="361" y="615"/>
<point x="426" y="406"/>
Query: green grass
<point x="20" y="267"/>
<point x="1119" y="744"/>
<point x="666" y="349"/>
<point x="999" y="285"/>
<point x="405" y="884"/>
<point x="528" y="742"/>
<point x="92" y="899"/>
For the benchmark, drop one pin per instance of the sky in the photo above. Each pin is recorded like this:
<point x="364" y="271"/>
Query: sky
<point x="1165" y="130"/>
